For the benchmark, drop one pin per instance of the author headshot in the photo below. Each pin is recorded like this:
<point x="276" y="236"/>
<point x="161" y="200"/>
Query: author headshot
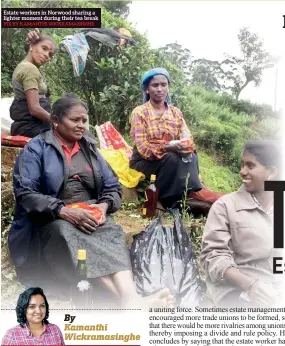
<point x="34" y="328"/>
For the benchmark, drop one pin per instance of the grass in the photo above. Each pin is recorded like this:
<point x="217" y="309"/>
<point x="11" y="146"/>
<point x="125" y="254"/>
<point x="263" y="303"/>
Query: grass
<point x="216" y="177"/>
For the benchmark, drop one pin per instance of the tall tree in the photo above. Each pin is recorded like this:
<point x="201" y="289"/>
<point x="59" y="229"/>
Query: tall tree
<point x="179" y="56"/>
<point x="117" y="8"/>
<point x="250" y="66"/>
<point x="209" y="74"/>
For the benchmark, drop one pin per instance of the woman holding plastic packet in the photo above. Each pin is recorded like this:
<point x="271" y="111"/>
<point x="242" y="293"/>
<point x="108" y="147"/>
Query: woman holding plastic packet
<point x="59" y="167"/>
<point x="153" y="125"/>
<point x="237" y="246"/>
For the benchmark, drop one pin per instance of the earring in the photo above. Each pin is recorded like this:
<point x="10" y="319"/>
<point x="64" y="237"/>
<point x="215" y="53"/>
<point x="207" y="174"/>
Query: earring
<point x="55" y="126"/>
<point x="31" y="49"/>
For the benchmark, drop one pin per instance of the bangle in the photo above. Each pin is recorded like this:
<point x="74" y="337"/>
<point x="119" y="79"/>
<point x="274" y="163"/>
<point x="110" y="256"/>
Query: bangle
<point x="222" y="274"/>
<point x="250" y="286"/>
<point x="58" y="209"/>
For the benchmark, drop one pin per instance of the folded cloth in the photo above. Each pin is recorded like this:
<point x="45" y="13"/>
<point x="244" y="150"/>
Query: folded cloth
<point x="14" y="141"/>
<point x="200" y="202"/>
<point x="205" y="195"/>
<point x="77" y="47"/>
<point x="110" y="37"/>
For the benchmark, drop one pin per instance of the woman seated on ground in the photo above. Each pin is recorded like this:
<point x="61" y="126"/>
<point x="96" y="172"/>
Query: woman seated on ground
<point x="237" y="246"/>
<point x="153" y="125"/>
<point x="31" y="107"/>
<point x="59" y="167"/>
<point x="34" y="328"/>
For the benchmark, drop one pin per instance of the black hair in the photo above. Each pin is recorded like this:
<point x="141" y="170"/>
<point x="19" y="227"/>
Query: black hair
<point x="23" y="302"/>
<point x="62" y="106"/>
<point x="147" y="82"/>
<point x="266" y="152"/>
<point x="41" y="38"/>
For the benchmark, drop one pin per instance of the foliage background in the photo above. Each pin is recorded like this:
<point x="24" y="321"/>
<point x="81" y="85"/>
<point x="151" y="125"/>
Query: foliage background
<point x="110" y="84"/>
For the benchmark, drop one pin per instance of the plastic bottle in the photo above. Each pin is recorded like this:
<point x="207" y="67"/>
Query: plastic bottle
<point x="151" y="193"/>
<point x="82" y="289"/>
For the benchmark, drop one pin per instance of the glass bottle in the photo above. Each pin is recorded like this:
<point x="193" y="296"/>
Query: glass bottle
<point x="151" y="193"/>
<point x="82" y="289"/>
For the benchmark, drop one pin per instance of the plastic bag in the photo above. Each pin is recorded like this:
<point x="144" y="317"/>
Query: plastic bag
<point x="119" y="162"/>
<point x="163" y="257"/>
<point x="110" y="138"/>
<point x="96" y="212"/>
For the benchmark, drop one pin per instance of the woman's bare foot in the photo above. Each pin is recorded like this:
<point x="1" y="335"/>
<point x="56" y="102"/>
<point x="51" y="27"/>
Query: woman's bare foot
<point x="160" y="298"/>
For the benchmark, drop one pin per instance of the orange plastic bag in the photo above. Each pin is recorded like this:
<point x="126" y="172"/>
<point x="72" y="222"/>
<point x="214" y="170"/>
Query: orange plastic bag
<point x="96" y="212"/>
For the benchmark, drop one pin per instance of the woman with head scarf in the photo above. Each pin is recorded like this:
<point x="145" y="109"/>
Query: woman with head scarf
<point x="237" y="247"/>
<point x="31" y="107"/>
<point x="153" y="125"/>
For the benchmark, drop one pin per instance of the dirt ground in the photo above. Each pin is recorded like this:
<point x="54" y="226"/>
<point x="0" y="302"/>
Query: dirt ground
<point x="131" y="222"/>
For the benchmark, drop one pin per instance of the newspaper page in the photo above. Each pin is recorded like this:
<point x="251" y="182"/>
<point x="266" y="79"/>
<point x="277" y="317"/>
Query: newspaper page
<point x="142" y="179"/>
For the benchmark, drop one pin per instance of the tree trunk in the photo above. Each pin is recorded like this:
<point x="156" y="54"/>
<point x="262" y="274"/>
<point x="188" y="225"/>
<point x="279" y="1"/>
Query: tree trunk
<point x="241" y="89"/>
<point x="122" y="122"/>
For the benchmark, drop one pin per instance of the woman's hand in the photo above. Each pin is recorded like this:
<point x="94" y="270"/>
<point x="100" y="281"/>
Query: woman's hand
<point x="103" y="207"/>
<point x="262" y="293"/>
<point x="81" y="218"/>
<point x="33" y="36"/>
<point x="178" y="148"/>
<point x="174" y="148"/>
<point x="259" y="292"/>
<point x="34" y="106"/>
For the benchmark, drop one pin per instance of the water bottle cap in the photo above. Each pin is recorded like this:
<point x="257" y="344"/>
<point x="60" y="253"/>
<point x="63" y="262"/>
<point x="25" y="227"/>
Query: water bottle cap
<point x="153" y="177"/>
<point x="81" y="254"/>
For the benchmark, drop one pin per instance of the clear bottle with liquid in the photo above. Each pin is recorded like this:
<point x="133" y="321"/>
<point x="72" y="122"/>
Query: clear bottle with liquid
<point x="82" y="288"/>
<point x="151" y="194"/>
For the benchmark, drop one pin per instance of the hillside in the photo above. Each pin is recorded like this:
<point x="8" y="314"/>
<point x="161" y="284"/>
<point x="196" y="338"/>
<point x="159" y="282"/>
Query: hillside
<point x="214" y="176"/>
<point x="110" y="85"/>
